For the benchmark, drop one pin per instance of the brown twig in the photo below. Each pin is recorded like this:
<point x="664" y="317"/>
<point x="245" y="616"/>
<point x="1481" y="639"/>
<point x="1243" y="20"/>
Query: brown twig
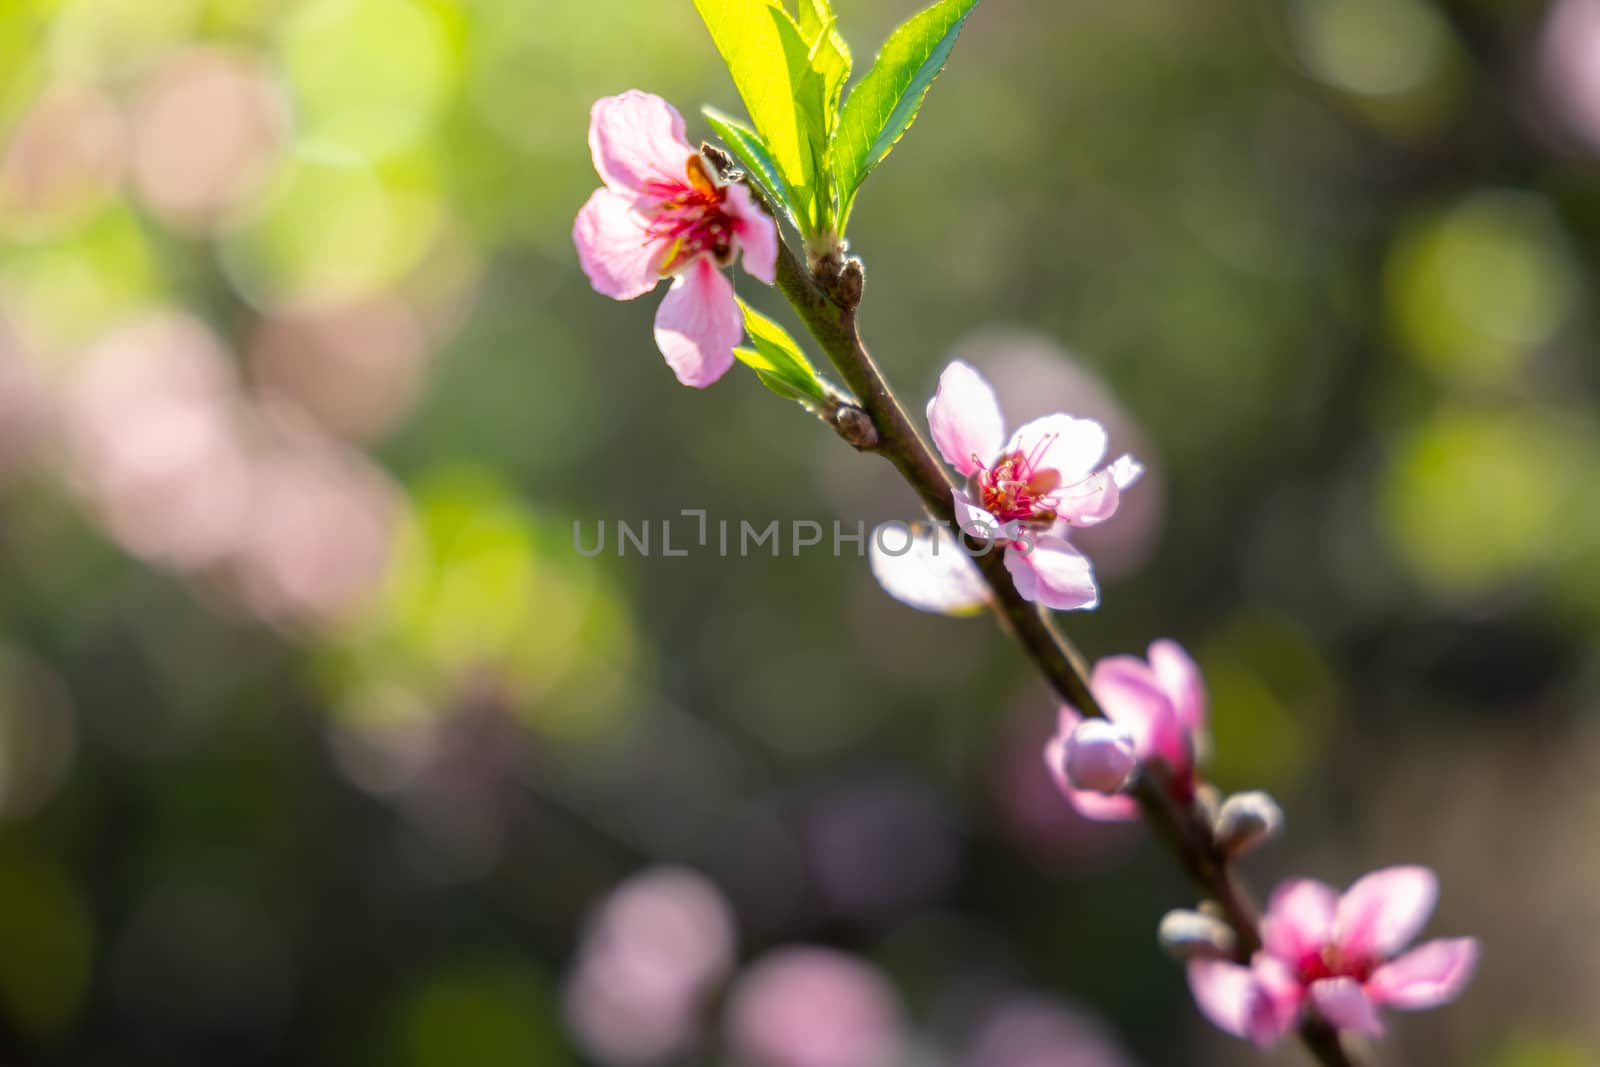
<point x="827" y="302"/>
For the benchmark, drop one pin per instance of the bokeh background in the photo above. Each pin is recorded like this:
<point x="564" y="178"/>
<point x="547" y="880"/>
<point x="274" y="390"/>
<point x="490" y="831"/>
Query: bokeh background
<point x="320" y="743"/>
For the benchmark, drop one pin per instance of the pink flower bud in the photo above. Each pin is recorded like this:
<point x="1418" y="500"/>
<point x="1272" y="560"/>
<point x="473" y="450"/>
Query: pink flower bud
<point x="1099" y="757"/>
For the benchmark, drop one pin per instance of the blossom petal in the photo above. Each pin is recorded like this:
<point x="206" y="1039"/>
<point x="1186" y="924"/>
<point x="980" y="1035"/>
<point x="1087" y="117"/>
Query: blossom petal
<point x="1224" y="992"/>
<point x="1426" y="977"/>
<point x="1054" y="574"/>
<point x="1345" y="1005"/>
<point x="1299" y="920"/>
<point x="698" y="324"/>
<point x="964" y="417"/>
<point x="973" y="521"/>
<point x="1383" y="911"/>
<point x="1130" y="696"/>
<point x="1072" y="447"/>
<point x="637" y="139"/>
<point x="1276" y="1007"/>
<point x="1095" y="499"/>
<point x="1089" y="502"/>
<point x="614" y="248"/>
<point x="932" y="574"/>
<point x="757" y="233"/>
<point x="1181" y="680"/>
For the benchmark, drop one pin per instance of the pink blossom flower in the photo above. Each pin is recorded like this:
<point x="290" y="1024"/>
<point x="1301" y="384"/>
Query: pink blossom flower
<point x="1158" y="706"/>
<point x="663" y="213"/>
<point x="1027" y="493"/>
<point x="1337" y="956"/>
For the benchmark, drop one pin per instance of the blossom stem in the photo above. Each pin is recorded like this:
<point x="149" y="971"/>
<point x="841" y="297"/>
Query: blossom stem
<point x="829" y="311"/>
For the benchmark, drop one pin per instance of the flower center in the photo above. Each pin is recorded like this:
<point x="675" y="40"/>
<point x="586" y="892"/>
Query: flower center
<point x="1331" y="963"/>
<point x="691" y="219"/>
<point x="1016" y="488"/>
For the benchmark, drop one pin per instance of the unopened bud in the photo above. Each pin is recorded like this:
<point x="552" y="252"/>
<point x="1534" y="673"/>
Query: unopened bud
<point x="1189" y="935"/>
<point x="852" y="281"/>
<point x="1246" y="820"/>
<point x="856" y="426"/>
<point x="1099" y="757"/>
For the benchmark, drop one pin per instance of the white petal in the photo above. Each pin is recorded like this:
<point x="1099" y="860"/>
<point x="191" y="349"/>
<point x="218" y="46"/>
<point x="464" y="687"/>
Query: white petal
<point x="923" y="566"/>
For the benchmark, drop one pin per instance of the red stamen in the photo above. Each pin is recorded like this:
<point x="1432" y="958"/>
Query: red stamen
<point x="690" y="218"/>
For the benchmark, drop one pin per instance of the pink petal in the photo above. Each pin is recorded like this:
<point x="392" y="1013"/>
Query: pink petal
<point x="1098" y="757"/>
<point x="1299" y="920"/>
<point x="1276" y="1007"/>
<point x="1343" y="1003"/>
<point x="1224" y="992"/>
<point x="613" y="247"/>
<point x="1054" y="574"/>
<point x="1426" y="977"/>
<point x="1094" y="500"/>
<point x="1089" y="502"/>
<point x="973" y="520"/>
<point x="964" y="417"/>
<point x="1097" y="807"/>
<point x="933" y="573"/>
<point x="698" y="324"/>
<point x="1180" y="679"/>
<point x="1062" y="443"/>
<point x="1128" y="692"/>
<point x="757" y="233"/>
<point x="637" y="140"/>
<point x="1383" y="911"/>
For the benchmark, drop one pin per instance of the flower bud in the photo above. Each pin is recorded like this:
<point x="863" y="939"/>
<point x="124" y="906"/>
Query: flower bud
<point x="1246" y="820"/>
<point x="1099" y="757"/>
<point x="1189" y="935"/>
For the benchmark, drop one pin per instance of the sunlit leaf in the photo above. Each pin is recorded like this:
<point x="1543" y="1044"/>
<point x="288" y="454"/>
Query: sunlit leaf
<point x="777" y="359"/>
<point x="886" y="101"/>
<point x="830" y="55"/>
<point x="771" y="67"/>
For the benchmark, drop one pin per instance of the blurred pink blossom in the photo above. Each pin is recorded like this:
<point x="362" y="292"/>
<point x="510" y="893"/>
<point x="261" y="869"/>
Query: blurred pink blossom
<point x="653" y="952"/>
<point x="151" y="424"/>
<point x="64" y="158"/>
<point x="204" y="134"/>
<point x="322" y="519"/>
<point x="1159" y="706"/>
<point x="354" y="367"/>
<point x="1571" y="55"/>
<point x="813" y="1007"/>
<point x="1034" y="1031"/>
<point x="1338" y="957"/>
<point x="663" y="213"/>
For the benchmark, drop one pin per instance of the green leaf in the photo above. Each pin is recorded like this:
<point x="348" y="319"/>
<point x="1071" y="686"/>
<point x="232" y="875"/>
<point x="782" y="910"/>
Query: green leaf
<point x="753" y="359"/>
<point x="830" y="55"/>
<point x="885" y="102"/>
<point x="777" y="360"/>
<point x="759" y="167"/>
<point x="770" y="62"/>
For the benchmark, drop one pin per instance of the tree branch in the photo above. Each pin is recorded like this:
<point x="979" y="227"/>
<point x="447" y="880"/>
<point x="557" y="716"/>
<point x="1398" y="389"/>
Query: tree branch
<point x="827" y="304"/>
